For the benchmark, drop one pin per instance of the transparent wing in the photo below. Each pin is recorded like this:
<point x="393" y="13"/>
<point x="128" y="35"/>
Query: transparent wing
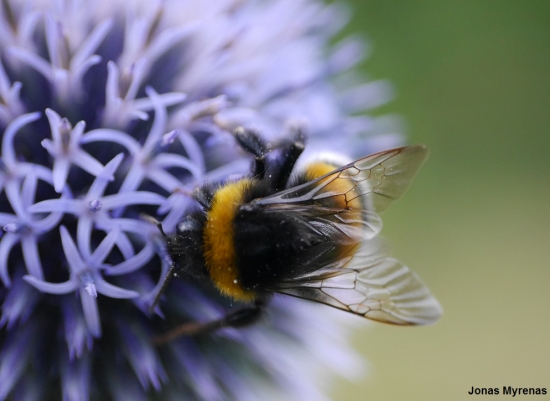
<point x="378" y="179"/>
<point x="371" y="285"/>
<point x="340" y="226"/>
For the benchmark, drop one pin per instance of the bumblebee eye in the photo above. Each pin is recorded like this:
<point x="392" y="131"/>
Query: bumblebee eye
<point x="188" y="224"/>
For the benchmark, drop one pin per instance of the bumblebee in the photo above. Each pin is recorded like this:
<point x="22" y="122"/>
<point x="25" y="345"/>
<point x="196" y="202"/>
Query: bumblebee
<point x="309" y="233"/>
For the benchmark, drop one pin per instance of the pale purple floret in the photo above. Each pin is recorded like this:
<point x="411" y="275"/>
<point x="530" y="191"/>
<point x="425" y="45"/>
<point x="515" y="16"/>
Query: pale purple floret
<point x="10" y="102"/>
<point x="85" y="277"/>
<point x="65" y="150"/>
<point x="118" y="108"/>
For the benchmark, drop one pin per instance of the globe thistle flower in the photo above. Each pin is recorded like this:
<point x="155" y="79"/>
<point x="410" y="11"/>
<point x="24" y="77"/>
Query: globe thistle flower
<point x="123" y="108"/>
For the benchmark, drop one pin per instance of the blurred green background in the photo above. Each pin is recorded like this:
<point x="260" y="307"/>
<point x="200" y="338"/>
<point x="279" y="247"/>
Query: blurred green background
<point x="473" y="83"/>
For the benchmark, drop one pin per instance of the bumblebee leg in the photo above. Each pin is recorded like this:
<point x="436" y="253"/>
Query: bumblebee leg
<point x="172" y="270"/>
<point x="165" y="282"/>
<point x="204" y="195"/>
<point x="252" y="143"/>
<point x="239" y="318"/>
<point x="291" y="153"/>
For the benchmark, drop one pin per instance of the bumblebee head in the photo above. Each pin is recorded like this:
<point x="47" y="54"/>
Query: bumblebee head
<point x="185" y="250"/>
<point x="185" y="246"/>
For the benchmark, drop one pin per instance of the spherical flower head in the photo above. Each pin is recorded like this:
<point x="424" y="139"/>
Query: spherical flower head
<point x="120" y="108"/>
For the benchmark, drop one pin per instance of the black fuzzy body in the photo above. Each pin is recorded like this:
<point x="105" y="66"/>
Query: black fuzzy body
<point x="270" y="246"/>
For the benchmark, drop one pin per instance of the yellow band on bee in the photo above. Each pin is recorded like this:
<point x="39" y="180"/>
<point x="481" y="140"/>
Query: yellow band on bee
<point x="339" y="185"/>
<point x="219" y="248"/>
<point x="317" y="169"/>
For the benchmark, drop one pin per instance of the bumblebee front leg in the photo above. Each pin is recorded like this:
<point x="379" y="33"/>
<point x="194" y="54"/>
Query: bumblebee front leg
<point x="291" y="152"/>
<point x="252" y="143"/>
<point x="239" y="318"/>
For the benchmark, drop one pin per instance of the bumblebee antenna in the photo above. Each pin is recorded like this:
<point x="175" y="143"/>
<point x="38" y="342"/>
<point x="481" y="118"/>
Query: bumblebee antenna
<point x="172" y="270"/>
<point x="165" y="283"/>
<point x="152" y="220"/>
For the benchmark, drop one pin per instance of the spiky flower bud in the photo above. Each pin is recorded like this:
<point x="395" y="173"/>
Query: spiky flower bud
<point x="114" y="108"/>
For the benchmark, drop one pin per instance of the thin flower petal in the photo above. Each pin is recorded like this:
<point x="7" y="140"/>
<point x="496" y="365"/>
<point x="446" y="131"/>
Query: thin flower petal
<point x="168" y="160"/>
<point x="103" y="178"/>
<point x="19" y="303"/>
<point x="8" y="150"/>
<point x="159" y="123"/>
<point x="71" y="252"/>
<point x="180" y="204"/>
<point x="54" y="41"/>
<point x="105" y="247"/>
<point x="77" y="336"/>
<point x="192" y="149"/>
<point x="92" y="42"/>
<point x="83" y="235"/>
<point x="132" y="198"/>
<point x="91" y="313"/>
<point x="367" y="96"/>
<point x="166" y="100"/>
<point x="113" y="291"/>
<point x="88" y="163"/>
<point x="33" y="61"/>
<point x="16" y="202"/>
<point x="137" y="72"/>
<point x="29" y="245"/>
<point x="346" y="54"/>
<point x="124" y="245"/>
<point x="111" y="135"/>
<point x="142" y="357"/>
<point x="163" y="179"/>
<point x="28" y="189"/>
<point x="75" y="379"/>
<point x="6" y="244"/>
<point x="132" y="181"/>
<point x="202" y="374"/>
<point x="122" y="385"/>
<point x="11" y="105"/>
<point x="14" y="357"/>
<point x="134" y="263"/>
<point x="126" y="225"/>
<point x="6" y="218"/>
<point x="52" y="288"/>
<point x="56" y="205"/>
<point x="60" y="173"/>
